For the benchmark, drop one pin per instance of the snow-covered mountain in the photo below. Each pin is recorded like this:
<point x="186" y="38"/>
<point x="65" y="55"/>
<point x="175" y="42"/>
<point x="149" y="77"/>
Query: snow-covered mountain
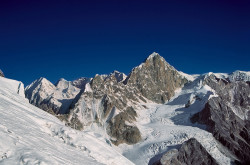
<point x="155" y="115"/>
<point x="53" y="98"/>
<point x="31" y="136"/>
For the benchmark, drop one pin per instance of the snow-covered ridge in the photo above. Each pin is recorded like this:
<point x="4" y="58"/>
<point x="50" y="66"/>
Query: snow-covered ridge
<point x="47" y="95"/>
<point x="234" y="76"/>
<point x="188" y="76"/>
<point x="81" y="82"/>
<point x="239" y="76"/>
<point x="12" y="86"/>
<point x="31" y="136"/>
<point x="120" y="77"/>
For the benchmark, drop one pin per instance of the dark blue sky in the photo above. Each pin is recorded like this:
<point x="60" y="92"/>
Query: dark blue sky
<point x="71" y="39"/>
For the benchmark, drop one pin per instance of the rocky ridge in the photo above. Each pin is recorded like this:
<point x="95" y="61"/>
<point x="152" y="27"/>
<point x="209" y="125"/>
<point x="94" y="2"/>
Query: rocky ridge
<point x="81" y="82"/>
<point x="156" y="79"/>
<point x="227" y="116"/>
<point x="190" y="153"/>
<point x="107" y="103"/>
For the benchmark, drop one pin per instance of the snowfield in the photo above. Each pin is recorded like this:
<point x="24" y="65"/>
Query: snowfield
<point x="29" y="135"/>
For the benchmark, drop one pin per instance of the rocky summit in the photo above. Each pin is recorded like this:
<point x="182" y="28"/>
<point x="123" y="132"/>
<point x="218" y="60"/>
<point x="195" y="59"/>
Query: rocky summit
<point x="227" y="116"/>
<point x="155" y="79"/>
<point x="157" y="114"/>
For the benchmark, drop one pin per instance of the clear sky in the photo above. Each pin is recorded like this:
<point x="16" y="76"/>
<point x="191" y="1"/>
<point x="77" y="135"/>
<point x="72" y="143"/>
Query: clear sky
<point x="72" y="39"/>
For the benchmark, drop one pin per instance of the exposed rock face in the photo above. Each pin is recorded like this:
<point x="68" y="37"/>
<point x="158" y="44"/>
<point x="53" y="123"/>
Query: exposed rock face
<point x="49" y="97"/>
<point x="109" y="103"/>
<point x="124" y="132"/>
<point x="190" y="153"/>
<point x="81" y="82"/>
<point x="155" y="79"/>
<point x="1" y="73"/>
<point x="227" y="116"/>
<point x="118" y="75"/>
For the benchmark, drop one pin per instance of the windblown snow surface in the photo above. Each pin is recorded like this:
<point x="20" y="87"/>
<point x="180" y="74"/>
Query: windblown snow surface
<point x="167" y="126"/>
<point x="29" y="136"/>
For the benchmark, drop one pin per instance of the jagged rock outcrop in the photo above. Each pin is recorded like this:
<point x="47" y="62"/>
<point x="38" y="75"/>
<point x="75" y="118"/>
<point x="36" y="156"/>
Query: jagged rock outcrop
<point x="227" y="116"/>
<point x="155" y="79"/>
<point x="107" y="102"/>
<point x="1" y="73"/>
<point x="120" y="77"/>
<point x="49" y="97"/>
<point x="122" y="131"/>
<point x="81" y="82"/>
<point x="190" y="153"/>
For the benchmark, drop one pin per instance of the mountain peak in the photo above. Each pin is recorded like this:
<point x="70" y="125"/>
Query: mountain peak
<point x="155" y="60"/>
<point x="39" y="83"/>
<point x="155" y="75"/>
<point x="115" y="71"/>
<point x="154" y="54"/>
<point x="61" y="81"/>
<point x="42" y="79"/>
<point x="118" y="75"/>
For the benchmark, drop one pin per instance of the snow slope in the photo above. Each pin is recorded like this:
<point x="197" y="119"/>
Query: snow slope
<point x="167" y="126"/>
<point x="29" y="135"/>
<point x="12" y="86"/>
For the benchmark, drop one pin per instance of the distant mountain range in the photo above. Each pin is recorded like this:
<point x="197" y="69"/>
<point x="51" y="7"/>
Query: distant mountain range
<point x="156" y="114"/>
